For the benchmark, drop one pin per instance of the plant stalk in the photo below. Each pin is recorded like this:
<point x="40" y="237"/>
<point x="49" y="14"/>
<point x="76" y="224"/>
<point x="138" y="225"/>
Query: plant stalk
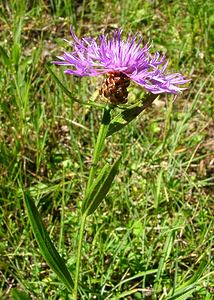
<point x="79" y="254"/>
<point x="97" y="151"/>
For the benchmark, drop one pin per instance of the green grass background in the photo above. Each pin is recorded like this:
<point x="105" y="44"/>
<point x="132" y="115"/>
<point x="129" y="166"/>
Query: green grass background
<point x="152" y="236"/>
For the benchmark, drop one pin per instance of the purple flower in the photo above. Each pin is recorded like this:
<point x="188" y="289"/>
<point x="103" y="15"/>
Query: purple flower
<point x="126" y="57"/>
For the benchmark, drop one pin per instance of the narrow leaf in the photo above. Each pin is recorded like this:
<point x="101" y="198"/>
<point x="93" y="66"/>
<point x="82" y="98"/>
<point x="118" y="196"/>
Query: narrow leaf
<point x="129" y="114"/>
<point x="141" y="274"/>
<point x="124" y="295"/>
<point x="19" y="295"/>
<point x="188" y="286"/>
<point x="18" y="31"/>
<point x="91" y="191"/>
<point x="197" y="275"/>
<point x="4" y="56"/>
<point x="184" y="293"/>
<point x="16" y="54"/>
<point x="100" y="188"/>
<point x="165" y="255"/>
<point x="48" y="251"/>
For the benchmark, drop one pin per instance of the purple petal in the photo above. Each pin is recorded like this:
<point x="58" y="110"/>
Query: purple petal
<point x="106" y="55"/>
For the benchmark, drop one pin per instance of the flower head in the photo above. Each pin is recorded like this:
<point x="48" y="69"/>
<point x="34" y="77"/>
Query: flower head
<point x="124" y="59"/>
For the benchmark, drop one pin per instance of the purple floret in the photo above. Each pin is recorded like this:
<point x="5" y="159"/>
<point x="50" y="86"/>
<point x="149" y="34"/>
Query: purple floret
<point x="112" y="55"/>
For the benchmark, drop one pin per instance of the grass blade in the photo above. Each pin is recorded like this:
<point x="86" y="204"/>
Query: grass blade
<point x="165" y="255"/>
<point x="19" y="295"/>
<point x="4" y="56"/>
<point x="187" y="288"/>
<point x="69" y="94"/>
<point x="61" y="85"/>
<point x="185" y="293"/>
<point x="48" y="250"/>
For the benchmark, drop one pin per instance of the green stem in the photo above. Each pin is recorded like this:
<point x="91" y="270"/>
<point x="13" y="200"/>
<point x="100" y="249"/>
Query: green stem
<point x="99" y="144"/>
<point x="97" y="151"/>
<point x="79" y="254"/>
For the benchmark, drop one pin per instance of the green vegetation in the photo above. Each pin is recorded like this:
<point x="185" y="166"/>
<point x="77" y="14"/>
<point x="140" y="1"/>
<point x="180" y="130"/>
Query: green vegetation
<point x="152" y="236"/>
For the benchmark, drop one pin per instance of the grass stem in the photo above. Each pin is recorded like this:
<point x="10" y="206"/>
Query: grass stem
<point x="97" y="150"/>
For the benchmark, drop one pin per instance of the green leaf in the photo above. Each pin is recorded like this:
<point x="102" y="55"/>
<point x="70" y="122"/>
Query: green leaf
<point x="129" y="114"/>
<point x="91" y="191"/>
<point x="16" y="54"/>
<point x="188" y="287"/>
<point x="18" y="31"/>
<point x="19" y="295"/>
<point x="48" y="251"/>
<point x="99" y="188"/>
<point x="133" y="278"/>
<point x="4" y="56"/>
<point x="164" y="257"/>
<point x="185" y="293"/>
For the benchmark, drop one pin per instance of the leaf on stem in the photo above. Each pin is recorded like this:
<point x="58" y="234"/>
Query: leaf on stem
<point x="47" y="248"/>
<point x="100" y="187"/>
<point x="129" y="114"/>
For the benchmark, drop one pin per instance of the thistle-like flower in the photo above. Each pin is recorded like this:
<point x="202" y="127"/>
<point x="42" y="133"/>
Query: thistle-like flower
<point x="121" y="60"/>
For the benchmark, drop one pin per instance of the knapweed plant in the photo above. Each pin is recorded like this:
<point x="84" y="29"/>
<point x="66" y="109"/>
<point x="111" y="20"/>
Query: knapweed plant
<point x="120" y="61"/>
